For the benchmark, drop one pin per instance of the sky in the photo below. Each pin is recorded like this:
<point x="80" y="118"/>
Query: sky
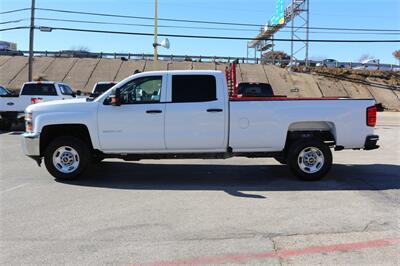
<point x="382" y="14"/>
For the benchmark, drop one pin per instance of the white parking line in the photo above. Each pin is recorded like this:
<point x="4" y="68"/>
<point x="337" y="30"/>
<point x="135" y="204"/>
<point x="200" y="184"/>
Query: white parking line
<point x="13" y="188"/>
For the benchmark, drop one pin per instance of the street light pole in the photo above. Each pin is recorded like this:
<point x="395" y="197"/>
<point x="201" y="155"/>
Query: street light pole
<point x="155" y="43"/>
<point x="31" y="32"/>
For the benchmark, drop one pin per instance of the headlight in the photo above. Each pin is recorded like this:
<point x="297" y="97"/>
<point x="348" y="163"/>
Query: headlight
<point x="28" y="122"/>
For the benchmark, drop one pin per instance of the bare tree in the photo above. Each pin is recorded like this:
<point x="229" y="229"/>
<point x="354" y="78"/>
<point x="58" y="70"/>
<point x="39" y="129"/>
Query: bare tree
<point x="396" y="54"/>
<point x="365" y="57"/>
<point x="275" y="55"/>
<point x="80" y="48"/>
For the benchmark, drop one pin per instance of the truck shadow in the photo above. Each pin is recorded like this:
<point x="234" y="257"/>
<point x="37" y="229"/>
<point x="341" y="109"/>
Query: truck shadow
<point x="233" y="179"/>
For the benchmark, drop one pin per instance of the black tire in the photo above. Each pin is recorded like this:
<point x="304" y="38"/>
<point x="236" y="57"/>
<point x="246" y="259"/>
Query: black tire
<point x="76" y="147"/>
<point x="97" y="159"/>
<point x="313" y="148"/>
<point x="281" y="160"/>
<point x="5" y="125"/>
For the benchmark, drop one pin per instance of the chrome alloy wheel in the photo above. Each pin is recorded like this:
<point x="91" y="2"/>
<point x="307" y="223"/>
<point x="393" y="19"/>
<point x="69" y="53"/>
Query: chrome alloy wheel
<point x="66" y="159"/>
<point x="310" y="160"/>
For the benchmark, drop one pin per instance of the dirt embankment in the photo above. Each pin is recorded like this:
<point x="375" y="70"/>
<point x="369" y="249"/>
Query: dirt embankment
<point x="388" y="78"/>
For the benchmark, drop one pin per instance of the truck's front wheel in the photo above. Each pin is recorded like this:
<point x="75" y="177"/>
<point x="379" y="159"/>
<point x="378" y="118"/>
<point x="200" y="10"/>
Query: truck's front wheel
<point x="310" y="159"/>
<point x="5" y="124"/>
<point x="66" y="158"/>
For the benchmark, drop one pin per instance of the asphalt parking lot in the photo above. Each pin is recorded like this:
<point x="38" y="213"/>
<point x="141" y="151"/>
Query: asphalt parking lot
<point x="204" y="212"/>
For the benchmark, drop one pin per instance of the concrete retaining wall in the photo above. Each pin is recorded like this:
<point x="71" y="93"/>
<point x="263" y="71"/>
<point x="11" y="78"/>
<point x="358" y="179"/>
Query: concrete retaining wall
<point x="10" y="69"/>
<point x="105" y="70"/>
<point x="83" y="73"/>
<point x="40" y="65"/>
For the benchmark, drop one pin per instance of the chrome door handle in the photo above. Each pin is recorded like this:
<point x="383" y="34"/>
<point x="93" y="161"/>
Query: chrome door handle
<point x="214" y="110"/>
<point x="154" y="111"/>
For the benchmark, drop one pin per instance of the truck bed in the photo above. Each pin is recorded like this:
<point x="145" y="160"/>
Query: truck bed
<point x="272" y="116"/>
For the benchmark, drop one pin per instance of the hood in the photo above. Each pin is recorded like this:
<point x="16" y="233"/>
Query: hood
<point x="74" y="105"/>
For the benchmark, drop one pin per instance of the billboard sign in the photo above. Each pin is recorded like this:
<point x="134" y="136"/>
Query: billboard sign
<point x="279" y="14"/>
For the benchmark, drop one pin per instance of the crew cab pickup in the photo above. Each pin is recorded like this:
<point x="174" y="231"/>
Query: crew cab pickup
<point x="189" y="114"/>
<point x="12" y="106"/>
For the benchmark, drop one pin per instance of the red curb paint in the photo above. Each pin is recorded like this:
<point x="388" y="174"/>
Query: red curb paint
<point x="278" y="254"/>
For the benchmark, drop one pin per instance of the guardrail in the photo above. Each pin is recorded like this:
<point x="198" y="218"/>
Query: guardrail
<point x="143" y="56"/>
<point x="226" y="59"/>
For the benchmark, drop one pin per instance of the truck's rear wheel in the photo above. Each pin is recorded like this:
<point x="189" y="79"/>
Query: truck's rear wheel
<point x="66" y="158"/>
<point x="310" y="159"/>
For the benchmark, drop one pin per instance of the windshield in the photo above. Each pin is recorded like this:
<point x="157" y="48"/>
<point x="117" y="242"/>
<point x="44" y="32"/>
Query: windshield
<point x="66" y="90"/>
<point x="3" y="91"/>
<point x="103" y="87"/>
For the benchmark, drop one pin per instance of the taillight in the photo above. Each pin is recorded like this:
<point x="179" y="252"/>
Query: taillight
<point x="371" y="116"/>
<point x="36" y="100"/>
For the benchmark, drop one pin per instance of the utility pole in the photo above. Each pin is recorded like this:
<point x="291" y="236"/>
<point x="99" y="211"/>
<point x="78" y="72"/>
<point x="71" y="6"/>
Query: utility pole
<point x="307" y="32"/>
<point x="155" y="43"/>
<point x="31" y="32"/>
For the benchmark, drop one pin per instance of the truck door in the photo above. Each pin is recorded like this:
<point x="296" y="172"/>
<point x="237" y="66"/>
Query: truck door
<point x="137" y="125"/>
<point x="196" y="115"/>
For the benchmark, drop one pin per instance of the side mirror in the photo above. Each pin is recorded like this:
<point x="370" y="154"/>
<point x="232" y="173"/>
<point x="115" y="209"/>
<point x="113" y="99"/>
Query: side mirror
<point x="78" y="92"/>
<point x="115" y="99"/>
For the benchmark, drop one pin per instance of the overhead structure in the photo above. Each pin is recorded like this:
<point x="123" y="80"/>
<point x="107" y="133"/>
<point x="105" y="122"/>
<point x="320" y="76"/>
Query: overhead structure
<point x="297" y="15"/>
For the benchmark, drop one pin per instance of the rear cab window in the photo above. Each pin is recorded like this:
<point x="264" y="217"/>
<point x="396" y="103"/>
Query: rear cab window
<point x="44" y="89"/>
<point x="194" y="88"/>
<point x="103" y="87"/>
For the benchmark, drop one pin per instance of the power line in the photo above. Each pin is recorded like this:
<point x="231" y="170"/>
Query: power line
<point x="141" y="25"/>
<point x="220" y="37"/>
<point x="203" y="21"/>
<point x="14" y="10"/>
<point x="203" y="36"/>
<point x="15" y="28"/>
<point x="12" y="21"/>
<point x="194" y="27"/>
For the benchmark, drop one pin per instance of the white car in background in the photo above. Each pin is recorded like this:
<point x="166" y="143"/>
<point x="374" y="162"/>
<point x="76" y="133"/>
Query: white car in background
<point x="330" y="63"/>
<point x="12" y="106"/>
<point x="369" y="64"/>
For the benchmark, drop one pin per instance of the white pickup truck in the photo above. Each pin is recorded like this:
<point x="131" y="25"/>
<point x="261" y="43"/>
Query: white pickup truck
<point x="189" y="114"/>
<point x="12" y="107"/>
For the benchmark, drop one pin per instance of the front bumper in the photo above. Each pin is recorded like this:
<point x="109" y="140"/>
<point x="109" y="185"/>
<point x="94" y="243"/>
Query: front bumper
<point x="370" y="142"/>
<point x="30" y="143"/>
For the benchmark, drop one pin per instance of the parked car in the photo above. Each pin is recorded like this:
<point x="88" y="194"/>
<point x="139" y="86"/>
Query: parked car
<point x="100" y="87"/>
<point x="330" y="63"/>
<point x="369" y="64"/>
<point x="77" y="53"/>
<point x="4" y="93"/>
<point x="12" y="106"/>
<point x="189" y="114"/>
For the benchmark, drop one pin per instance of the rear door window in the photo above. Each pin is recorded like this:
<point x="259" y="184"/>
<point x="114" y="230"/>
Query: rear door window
<point x="39" y="89"/>
<point x="193" y="88"/>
